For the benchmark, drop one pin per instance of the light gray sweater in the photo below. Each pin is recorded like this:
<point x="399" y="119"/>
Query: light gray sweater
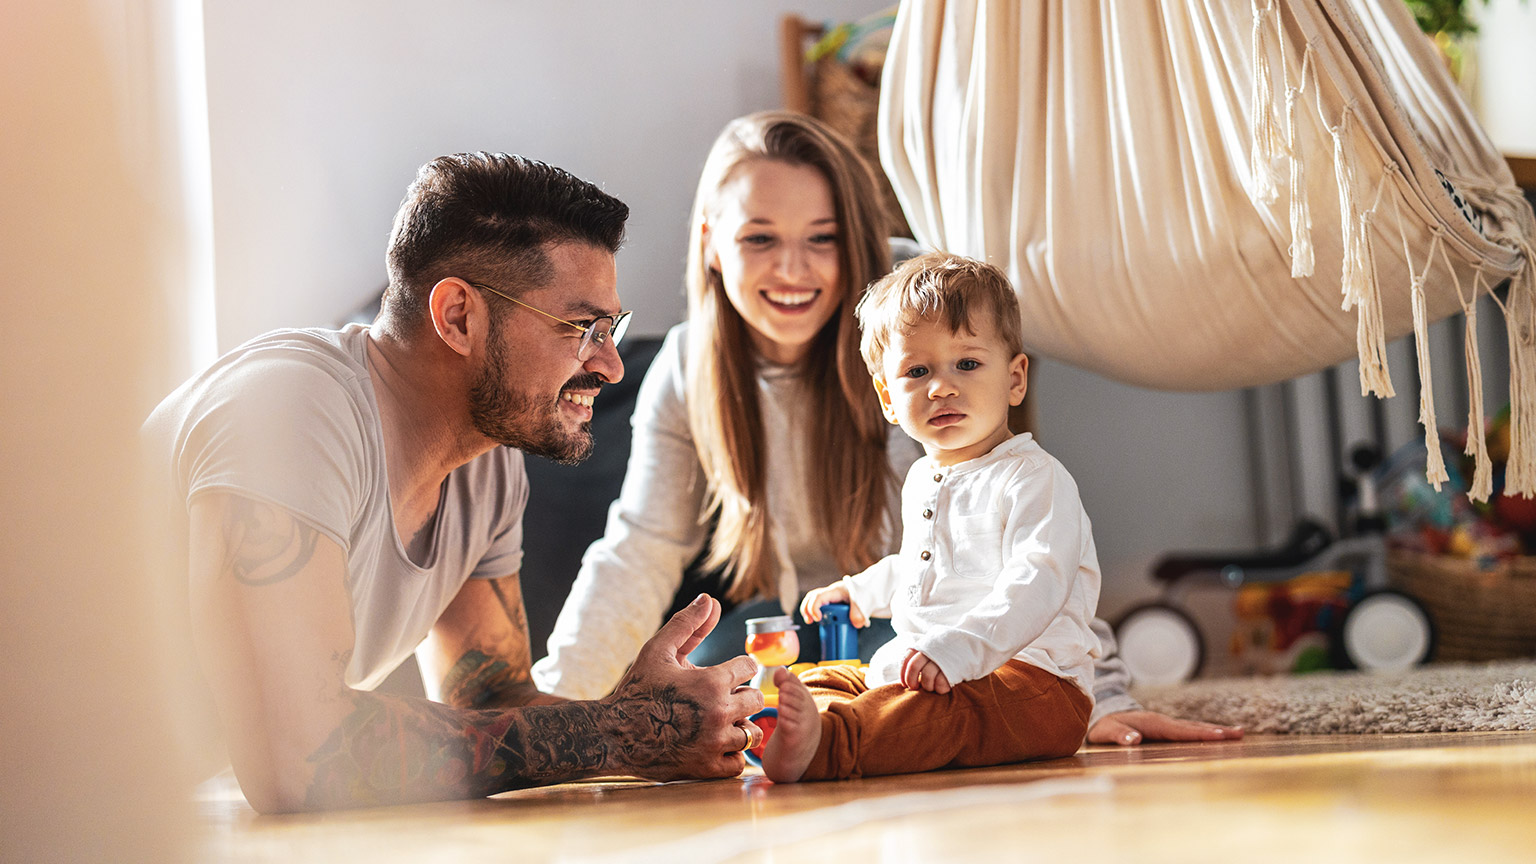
<point x="656" y="528"/>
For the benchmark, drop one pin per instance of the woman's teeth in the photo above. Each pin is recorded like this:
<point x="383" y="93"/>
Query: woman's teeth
<point x="790" y="298"/>
<point x="578" y="398"/>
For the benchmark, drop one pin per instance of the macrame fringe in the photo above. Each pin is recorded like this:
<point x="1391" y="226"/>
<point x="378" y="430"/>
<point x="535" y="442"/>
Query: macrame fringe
<point x="1520" y="323"/>
<point x="1344" y="176"/>
<point x="1436" y="465"/>
<point x="1264" y="129"/>
<point x="1370" y="330"/>
<point x="1477" y="434"/>
<point x="1302" y="257"/>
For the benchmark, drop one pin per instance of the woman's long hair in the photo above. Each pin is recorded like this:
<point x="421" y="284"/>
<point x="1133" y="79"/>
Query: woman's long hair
<point x="850" y="479"/>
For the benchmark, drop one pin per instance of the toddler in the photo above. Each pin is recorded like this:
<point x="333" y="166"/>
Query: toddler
<point x="993" y="589"/>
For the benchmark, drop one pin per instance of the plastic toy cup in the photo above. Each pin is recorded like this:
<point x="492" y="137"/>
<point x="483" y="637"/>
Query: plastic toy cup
<point x="839" y="639"/>
<point x="772" y="641"/>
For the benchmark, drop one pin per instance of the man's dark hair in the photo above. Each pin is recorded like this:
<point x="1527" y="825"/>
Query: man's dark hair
<point x="489" y="217"/>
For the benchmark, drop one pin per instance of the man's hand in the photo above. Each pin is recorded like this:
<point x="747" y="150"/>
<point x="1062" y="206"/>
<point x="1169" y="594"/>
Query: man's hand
<point x="837" y="592"/>
<point x="919" y="672"/>
<point x="668" y="719"/>
<point x="1127" y="728"/>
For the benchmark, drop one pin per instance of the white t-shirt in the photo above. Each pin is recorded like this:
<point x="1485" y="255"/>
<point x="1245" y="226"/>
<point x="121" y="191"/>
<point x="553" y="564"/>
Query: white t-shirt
<point x="997" y="563"/>
<point x="290" y="419"/>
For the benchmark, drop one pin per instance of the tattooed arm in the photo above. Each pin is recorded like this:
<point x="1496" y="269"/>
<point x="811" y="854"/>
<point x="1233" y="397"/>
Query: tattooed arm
<point x="274" y="630"/>
<point x="477" y="655"/>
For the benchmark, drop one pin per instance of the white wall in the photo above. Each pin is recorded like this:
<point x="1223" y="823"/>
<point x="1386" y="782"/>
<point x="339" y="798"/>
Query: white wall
<point x="1505" y="97"/>
<point x="321" y="112"/>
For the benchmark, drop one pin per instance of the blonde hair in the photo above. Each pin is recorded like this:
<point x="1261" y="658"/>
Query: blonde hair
<point x="850" y="481"/>
<point x="937" y="286"/>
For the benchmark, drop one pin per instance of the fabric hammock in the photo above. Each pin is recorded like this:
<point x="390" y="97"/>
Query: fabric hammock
<point x="1197" y="196"/>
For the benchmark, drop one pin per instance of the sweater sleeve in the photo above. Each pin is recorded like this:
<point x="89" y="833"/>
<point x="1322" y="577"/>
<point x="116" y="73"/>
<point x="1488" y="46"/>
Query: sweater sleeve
<point x="1043" y="539"/>
<point x="1111" y="680"/>
<point x="629" y="576"/>
<point x="874" y="587"/>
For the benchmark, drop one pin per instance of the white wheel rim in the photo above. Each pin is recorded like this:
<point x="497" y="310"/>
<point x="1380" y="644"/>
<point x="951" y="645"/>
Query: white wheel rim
<point x="1386" y="632"/>
<point x="1159" y="647"/>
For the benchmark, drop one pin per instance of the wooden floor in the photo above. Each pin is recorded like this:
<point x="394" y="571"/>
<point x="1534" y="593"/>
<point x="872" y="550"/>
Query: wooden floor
<point x="1299" y="799"/>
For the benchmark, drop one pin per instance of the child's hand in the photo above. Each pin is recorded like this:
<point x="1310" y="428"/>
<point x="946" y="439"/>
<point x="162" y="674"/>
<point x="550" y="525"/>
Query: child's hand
<point x="837" y="592"/>
<point x="920" y="673"/>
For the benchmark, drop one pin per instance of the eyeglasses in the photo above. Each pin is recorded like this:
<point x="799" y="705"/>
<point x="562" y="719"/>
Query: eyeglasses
<point x="594" y="334"/>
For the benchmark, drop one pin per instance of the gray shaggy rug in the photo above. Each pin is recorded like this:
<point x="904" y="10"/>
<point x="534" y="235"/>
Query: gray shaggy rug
<point x="1442" y="698"/>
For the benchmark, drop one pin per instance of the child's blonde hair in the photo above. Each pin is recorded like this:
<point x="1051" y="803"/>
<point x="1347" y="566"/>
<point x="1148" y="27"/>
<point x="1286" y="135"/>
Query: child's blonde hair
<point x="937" y="286"/>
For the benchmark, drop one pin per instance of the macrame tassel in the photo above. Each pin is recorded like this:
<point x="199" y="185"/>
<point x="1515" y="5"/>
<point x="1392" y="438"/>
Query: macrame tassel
<point x="1265" y="131"/>
<point x="1370" y="331"/>
<point x="1302" y="260"/>
<point x="1477" y="437"/>
<point x="1436" y="466"/>
<point x="1344" y="175"/>
<point x="1520" y="474"/>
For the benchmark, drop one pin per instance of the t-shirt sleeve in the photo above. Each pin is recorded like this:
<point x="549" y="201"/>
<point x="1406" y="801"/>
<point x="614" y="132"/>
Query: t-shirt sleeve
<point x="504" y="556"/>
<point x="281" y="431"/>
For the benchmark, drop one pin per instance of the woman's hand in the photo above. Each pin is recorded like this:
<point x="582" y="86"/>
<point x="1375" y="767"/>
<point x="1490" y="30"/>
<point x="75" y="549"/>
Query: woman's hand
<point x="1128" y="728"/>
<point x="837" y="592"/>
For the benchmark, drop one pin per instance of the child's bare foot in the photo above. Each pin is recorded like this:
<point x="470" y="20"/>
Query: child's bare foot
<point x="790" y="750"/>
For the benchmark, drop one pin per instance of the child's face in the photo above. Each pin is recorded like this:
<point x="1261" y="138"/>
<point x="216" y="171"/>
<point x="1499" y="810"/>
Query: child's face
<point x="951" y="391"/>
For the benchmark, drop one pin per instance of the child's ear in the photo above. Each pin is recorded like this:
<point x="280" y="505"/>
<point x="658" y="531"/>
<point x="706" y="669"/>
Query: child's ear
<point x="885" y="399"/>
<point x="1018" y="379"/>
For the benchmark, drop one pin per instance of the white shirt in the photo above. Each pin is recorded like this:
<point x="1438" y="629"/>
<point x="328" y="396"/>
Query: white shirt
<point x="997" y="563"/>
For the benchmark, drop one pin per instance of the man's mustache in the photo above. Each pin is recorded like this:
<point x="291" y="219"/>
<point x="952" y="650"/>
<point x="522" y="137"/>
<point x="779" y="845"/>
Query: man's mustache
<point x="585" y="381"/>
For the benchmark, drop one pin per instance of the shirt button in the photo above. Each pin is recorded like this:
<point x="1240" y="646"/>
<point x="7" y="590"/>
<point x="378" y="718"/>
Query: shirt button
<point x="927" y="514"/>
<point x="938" y="478"/>
<point x="926" y="555"/>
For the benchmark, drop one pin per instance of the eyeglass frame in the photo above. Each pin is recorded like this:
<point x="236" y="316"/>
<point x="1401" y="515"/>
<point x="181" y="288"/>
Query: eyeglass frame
<point x="592" y="340"/>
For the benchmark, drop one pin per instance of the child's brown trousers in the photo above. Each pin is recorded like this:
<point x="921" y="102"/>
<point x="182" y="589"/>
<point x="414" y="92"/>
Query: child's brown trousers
<point x="1017" y="713"/>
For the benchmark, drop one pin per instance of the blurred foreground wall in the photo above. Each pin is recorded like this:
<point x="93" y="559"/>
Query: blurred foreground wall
<point x="100" y="264"/>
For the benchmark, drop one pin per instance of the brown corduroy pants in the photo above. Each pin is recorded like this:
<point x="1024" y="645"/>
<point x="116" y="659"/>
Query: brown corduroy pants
<point x="1018" y="713"/>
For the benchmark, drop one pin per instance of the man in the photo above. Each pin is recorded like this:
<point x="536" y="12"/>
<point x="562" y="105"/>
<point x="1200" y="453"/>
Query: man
<point x="356" y="495"/>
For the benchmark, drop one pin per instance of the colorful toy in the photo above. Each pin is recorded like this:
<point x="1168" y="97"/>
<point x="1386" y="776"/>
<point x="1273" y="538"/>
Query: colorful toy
<point x="772" y="643"/>
<point x="1314" y="602"/>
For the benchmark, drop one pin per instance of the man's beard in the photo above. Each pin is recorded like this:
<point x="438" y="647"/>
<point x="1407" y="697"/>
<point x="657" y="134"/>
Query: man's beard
<point x="515" y="418"/>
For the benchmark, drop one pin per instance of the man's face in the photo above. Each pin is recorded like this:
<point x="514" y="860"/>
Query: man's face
<point x="533" y="392"/>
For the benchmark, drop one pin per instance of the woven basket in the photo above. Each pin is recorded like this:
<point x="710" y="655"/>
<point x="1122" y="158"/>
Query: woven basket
<point x="844" y="101"/>
<point x="1479" y="614"/>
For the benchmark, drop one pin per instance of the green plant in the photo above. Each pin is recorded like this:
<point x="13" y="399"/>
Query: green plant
<point x="1443" y="16"/>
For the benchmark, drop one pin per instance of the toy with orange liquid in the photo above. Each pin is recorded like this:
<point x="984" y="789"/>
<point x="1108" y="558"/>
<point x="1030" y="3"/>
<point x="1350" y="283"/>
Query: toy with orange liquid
<point x="772" y="642"/>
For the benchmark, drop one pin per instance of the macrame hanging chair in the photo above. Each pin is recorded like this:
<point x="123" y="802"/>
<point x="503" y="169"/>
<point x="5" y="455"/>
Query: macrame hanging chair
<point x="1197" y="196"/>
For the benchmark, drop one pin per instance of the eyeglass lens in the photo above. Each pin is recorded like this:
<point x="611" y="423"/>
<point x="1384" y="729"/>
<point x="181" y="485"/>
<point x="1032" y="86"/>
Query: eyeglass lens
<point x="599" y="333"/>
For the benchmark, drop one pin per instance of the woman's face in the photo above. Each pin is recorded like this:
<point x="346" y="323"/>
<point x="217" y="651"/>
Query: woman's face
<point x="773" y="237"/>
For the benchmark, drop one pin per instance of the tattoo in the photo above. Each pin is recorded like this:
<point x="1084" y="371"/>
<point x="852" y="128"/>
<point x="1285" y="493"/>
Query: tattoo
<point x="651" y="725"/>
<point x="264" y="544"/>
<point x="478" y="680"/>
<point x="393" y="750"/>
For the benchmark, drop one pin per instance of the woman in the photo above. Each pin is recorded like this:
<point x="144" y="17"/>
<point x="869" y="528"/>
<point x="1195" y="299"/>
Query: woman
<point x="759" y="449"/>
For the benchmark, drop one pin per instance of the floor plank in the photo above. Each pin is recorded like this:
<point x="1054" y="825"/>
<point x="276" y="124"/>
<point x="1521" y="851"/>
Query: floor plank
<point x="1403" y="798"/>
